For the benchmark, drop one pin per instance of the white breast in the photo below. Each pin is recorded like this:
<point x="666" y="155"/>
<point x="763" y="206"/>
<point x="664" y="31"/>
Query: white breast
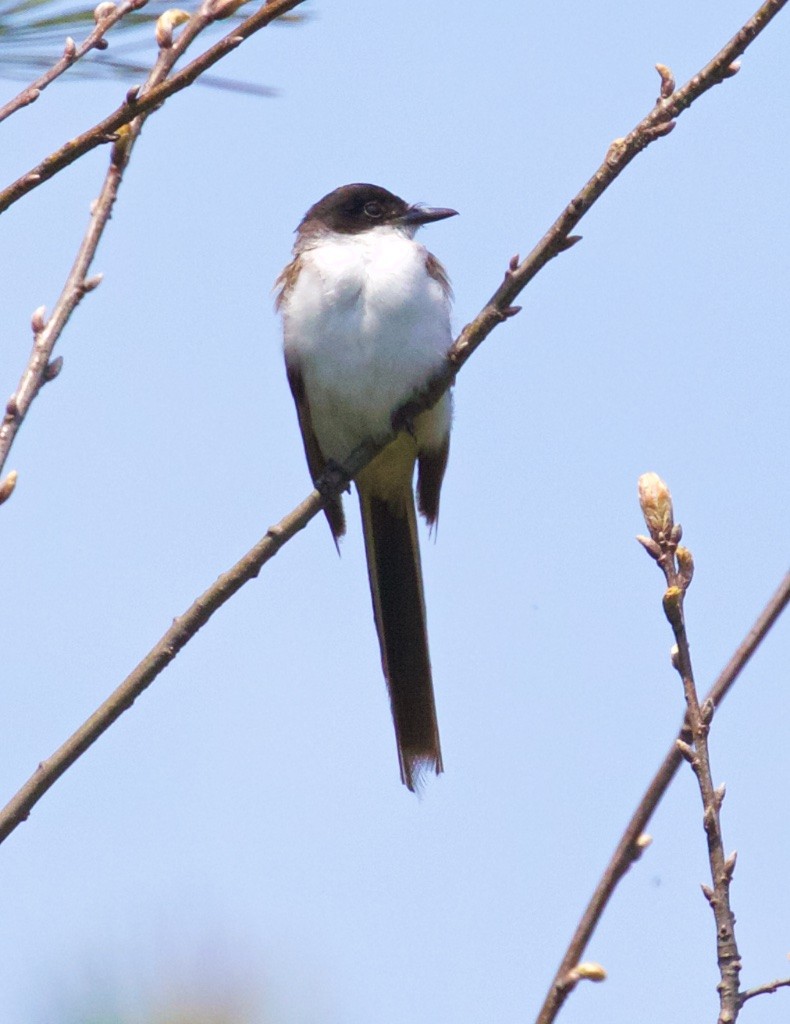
<point x="367" y="326"/>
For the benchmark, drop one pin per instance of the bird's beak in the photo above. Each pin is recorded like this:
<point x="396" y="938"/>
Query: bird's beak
<point x="418" y="215"/>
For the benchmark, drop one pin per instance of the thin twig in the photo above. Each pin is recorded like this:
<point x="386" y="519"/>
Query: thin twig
<point x="106" y="16"/>
<point x="677" y="565"/>
<point x="496" y="310"/>
<point x="761" y="990"/>
<point x="39" y="368"/>
<point x="629" y="848"/>
<point x="137" y="104"/>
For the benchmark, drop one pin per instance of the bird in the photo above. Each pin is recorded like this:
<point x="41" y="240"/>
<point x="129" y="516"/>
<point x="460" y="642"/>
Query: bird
<point x="366" y="322"/>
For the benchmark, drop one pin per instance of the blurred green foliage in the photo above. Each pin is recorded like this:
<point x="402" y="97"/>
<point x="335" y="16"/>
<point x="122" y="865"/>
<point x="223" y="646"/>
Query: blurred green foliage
<point x="33" y="34"/>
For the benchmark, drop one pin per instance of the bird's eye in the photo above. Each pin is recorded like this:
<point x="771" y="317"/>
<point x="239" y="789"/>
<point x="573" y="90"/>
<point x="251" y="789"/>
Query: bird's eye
<point x="373" y="210"/>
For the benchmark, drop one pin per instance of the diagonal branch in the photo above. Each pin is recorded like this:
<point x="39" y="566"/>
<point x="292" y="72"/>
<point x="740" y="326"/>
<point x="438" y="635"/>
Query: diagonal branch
<point x="677" y="565"/>
<point x="762" y="990"/>
<point x="629" y="848"/>
<point x="497" y="310"/>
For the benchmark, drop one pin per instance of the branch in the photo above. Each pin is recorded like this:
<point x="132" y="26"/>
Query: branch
<point x="762" y="990"/>
<point x="106" y="15"/>
<point x="137" y="104"/>
<point x="677" y="565"/>
<point x="633" y="841"/>
<point x="40" y="368"/>
<point x="336" y="479"/>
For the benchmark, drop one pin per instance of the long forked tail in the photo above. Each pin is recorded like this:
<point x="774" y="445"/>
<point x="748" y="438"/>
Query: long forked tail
<point x="393" y="555"/>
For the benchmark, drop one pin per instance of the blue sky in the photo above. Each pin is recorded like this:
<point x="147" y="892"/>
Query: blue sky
<point x="243" y="827"/>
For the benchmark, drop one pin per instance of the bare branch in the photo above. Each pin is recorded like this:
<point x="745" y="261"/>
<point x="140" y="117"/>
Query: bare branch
<point x="105" y="19"/>
<point x="677" y="566"/>
<point x="761" y="990"/>
<point x="629" y="849"/>
<point x="105" y="130"/>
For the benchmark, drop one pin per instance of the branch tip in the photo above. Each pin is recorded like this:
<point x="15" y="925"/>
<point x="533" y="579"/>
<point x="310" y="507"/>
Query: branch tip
<point x="568" y="243"/>
<point x="587" y="971"/>
<point x="656" y="131"/>
<point x="90" y="283"/>
<point x="655" y="501"/>
<point x="649" y="545"/>
<point x="673" y="605"/>
<point x="8" y="485"/>
<point x="53" y="369"/>
<point x="667" y="81"/>
<point x="685" y="750"/>
<point x="166" y="23"/>
<point x="37" y="320"/>
<point x="103" y="11"/>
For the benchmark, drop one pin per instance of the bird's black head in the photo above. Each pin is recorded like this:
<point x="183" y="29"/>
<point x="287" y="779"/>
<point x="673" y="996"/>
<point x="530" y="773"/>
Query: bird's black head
<point x="352" y="209"/>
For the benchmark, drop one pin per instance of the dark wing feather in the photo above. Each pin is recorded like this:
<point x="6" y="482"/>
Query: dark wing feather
<point x="315" y="458"/>
<point x="430" y="473"/>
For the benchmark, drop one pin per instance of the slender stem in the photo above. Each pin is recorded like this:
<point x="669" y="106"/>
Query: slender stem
<point x="761" y="990"/>
<point x="677" y="565"/>
<point x="181" y="631"/>
<point x="721" y="867"/>
<point x="627" y="849"/>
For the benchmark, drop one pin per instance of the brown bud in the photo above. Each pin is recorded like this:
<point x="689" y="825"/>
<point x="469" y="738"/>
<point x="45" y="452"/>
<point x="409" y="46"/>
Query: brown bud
<point x="685" y="750"/>
<point x="588" y="971"/>
<point x="673" y="603"/>
<point x="90" y="283"/>
<point x="7" y="486"/>
<point x="165" y="24"/>
<point x="103" y="11"/>
<point x="684" y="564"/>
<point x="649" y="545"/>
<point x="37" y="321"/>
<point x="656" y="504"/>
<point x="53" y="369"/>
<point x="667" y="81"/>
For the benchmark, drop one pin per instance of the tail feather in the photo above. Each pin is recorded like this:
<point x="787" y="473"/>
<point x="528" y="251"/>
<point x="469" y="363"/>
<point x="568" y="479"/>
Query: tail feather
<point x="396" y="588"/>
